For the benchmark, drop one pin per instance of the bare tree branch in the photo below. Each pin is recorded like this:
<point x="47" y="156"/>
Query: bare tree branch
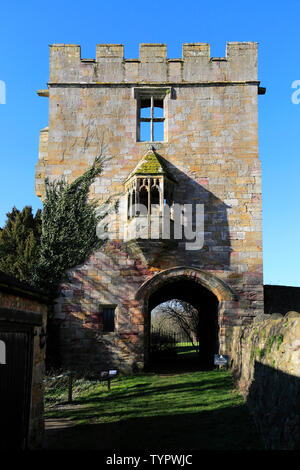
<point x="181" y="314"/>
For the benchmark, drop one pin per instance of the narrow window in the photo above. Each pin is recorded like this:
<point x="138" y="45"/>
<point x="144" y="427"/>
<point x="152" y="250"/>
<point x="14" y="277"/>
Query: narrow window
<point x="151" y="119"/>
<point x="128" y="207"/>
<point x="144" y="197"/>
<point x="154" y="200"/>
<point x="132" y="204"/>
<point x="108" y="319"/>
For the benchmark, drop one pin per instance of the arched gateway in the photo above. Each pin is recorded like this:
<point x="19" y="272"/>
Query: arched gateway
<point x="204" y="291"/>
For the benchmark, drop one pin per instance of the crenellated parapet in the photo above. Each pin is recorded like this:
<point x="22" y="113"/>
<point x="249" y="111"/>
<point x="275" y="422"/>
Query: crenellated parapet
<point x="153" y="66"/>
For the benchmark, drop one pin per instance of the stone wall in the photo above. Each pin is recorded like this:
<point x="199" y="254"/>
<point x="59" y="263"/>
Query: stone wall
<point x="210" y="148"/>
<point x="265" y="359"/>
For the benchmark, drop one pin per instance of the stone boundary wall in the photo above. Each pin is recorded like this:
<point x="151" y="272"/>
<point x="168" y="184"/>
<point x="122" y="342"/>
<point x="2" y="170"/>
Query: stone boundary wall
<point x="281" y="298"/>
<point x="265" y="360"/>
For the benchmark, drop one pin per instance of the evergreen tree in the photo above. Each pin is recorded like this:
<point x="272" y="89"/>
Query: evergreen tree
<point x="20" y="243"/>
<point x="39" y="249"/>
<point x="68" y="228"/>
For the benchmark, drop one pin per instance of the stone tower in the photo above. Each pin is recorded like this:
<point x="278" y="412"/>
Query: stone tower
<point x="183" y="136"/>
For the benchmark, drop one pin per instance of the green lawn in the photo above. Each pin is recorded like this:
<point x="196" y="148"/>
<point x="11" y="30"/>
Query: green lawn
<point x="185" y="348"/>
<point x="198" y="410"/>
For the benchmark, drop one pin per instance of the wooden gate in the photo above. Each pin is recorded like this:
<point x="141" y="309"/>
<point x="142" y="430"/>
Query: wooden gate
<point x="15" y="384"/>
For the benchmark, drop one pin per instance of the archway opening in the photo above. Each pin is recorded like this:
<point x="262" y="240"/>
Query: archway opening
<point x="191" y="303"/>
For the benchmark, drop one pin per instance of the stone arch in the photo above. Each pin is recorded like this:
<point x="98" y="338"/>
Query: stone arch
<point x="208" y="280"/>
<point x="224" y="295"/>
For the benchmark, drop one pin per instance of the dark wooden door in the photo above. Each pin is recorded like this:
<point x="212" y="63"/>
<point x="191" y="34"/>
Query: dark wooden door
<point x="15" y="386"/>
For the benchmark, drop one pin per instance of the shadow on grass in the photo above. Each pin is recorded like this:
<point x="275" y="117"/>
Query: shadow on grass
<point x="199" y="410"/>
<point x="138" y="394"/>
<point x="221" y="429"/>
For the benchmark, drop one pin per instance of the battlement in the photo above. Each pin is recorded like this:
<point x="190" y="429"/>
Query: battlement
<point x="153" y="66"/>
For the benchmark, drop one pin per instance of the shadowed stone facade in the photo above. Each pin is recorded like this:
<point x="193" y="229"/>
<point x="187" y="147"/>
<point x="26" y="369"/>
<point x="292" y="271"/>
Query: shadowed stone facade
<point x="209" y="156"/>
<point x="23" y="323"/>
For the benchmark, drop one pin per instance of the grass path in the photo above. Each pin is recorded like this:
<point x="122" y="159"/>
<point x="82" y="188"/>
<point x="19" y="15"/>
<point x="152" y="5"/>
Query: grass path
<point x="198" y="410"/>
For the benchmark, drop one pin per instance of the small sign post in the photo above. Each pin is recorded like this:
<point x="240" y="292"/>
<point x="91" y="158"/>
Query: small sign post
<point x="108" y="375"/>
<point x="70" y="386"/>
<point x="221" y="360"/>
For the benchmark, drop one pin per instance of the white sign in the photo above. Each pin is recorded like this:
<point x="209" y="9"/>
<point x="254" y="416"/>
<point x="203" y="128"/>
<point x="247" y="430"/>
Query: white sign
<point x="2" y="352"/>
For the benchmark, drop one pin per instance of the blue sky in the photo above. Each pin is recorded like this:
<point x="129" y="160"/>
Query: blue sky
<point x="27" y="28"/>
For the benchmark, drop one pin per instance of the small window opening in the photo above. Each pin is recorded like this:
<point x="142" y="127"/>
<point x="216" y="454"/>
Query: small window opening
<point x="154" y="207"/>
<point x="132" y="203"/>
<point x="128" y="206"/>
<point x="151" y="119"/>
<point x="108" y="319"/>
<point x="144" y="197"/>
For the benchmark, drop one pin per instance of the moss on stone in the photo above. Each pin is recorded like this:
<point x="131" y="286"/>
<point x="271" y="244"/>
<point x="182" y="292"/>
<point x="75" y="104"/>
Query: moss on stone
<point x="151" y="164"/>
<point x="279" y="341"/>
<point x="271" y="341"/>
<point x="260" y="353"/>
